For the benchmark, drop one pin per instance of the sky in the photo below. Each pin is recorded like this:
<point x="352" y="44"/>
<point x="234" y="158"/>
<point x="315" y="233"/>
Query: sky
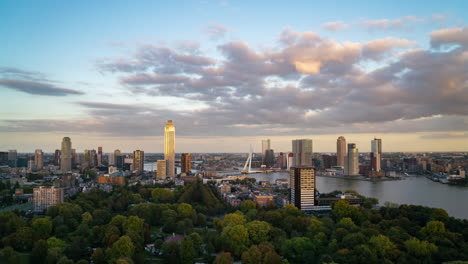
<point x="231" y="73"/>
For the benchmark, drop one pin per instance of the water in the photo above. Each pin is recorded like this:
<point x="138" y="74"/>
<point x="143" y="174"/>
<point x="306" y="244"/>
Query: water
<point x="413" y="190"/>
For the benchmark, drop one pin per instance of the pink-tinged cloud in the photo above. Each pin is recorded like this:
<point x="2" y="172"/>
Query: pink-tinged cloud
<point x="335" y="26"/>
<point x="450" y="36"/>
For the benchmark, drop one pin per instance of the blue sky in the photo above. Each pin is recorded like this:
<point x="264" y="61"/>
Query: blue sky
<point x="75" y="45"/>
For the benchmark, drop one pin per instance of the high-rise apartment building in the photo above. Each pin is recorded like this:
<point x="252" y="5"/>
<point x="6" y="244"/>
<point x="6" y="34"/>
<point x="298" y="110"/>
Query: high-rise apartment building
<point x="111" y="158"/>
<point x="352" y="160"/>
<point x="66" y="156"/>
<point x="169" y="148"/>
<point x="99" y="156"/>
<point x="161" y="169"/>
<point x="12" y="158"/>
<point x="39" y="159"/>
<point x="138" y="161"/>
<point x="280" y="160"/>
<point x="186" y="162"/>
<point x="31" y="163"/>
<point x="376" y="154"/>
<point x="57" y="157"/>
<point x="302" y="150"/>
<point x="302" y="184"/>
<point x="43" y="197"/>
<point x="265" y="145"/>
<point x="340" y="151"/>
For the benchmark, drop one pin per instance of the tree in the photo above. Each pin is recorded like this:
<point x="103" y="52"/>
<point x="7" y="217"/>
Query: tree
<point x="184" y="210"/>
<point x="87" y="218"/>
<point x="433" y="229"/>
<point x="122" y="248"/>
<point x="223" y="258"/>
<point x="39" y="251"/>
<point x="247" y="205"/>
<point x="235" y="238"/>
<point x="161" y="195"/>
<point x="382" y="245"/>
<point x="23" y="239"/>
<point x="258" y="231"/>
<point x="42" y="227"/>
<point x="111" y="236"/>
<point x="56" y="243"/>
<point x="197" y="242"/>
<point x="294" y="248"/>
<point x="101" y="217"/>
<point x="171" y="252"/>
<point x="10" y="255"/>
<point x="187" y="251"/>
<point x="98" y="256"/>
<point x="9" y="223"/>
<point x="420" y="248"/>
<point x="234" y="219"/>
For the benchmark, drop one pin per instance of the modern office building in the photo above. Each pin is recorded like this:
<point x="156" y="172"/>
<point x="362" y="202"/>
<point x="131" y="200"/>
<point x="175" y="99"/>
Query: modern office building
<point x="352" y="161"/>
<point x="75" y="159"/>
<point x="39" y="159"/>
<point x="169" y="148"/>
<point x="4" y="158"/>
<point x="302" y="184"/>
<point x="111" y="159"/>
<point x="186" y="162"/>
<point x="12" y="158"/>
<point x="340" y="151"/>
<point x="119" y="160"/>
<point x="138" y="161"/>
<point x="99" y="156"/>
<point x="66" y="155"/>
<point x="269" y="160"/>
<point x="161" y="169"/>
<point x="43" y="197"/>
<point x="376" y="154"/>
<point x="302" y="150"/>
<point x="31" y="163"/>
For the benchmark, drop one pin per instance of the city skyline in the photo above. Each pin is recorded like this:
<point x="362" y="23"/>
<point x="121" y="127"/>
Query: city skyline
<point x="364" y="70"/>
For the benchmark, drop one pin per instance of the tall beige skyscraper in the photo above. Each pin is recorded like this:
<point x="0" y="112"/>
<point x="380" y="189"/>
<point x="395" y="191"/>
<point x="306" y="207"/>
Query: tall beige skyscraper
<point x="352" y="160"/>
<point x="169" y="148"/>
<point x="340" y="151"/>
<point x="302" y="150"/>
<point x="66" y="155"/>
<point x="39" y="159"/>
<point x="265" y="147"/>
<point x="302" y="184"/>
<point x="376" y="154"/>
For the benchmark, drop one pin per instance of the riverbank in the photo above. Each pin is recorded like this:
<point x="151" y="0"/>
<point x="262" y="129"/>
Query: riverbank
<point x="361" y="178"/>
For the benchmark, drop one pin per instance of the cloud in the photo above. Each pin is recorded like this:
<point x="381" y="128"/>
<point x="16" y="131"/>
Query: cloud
<point x="377" y="49"/>
<point x="335" y="26"/>
<point x="306" y="83"/>
<point x="391" y="24"/>
<point x="452" y="135"/>
<point x="31" y="83"/>
<point x="216" y="31"/>
<point x="450" y="36"/>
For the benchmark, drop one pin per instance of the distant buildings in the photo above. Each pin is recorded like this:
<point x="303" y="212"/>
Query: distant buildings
<point x="352" y="160"/>
<point x="269" y="158"/>
<point x="329" y="161"/>
<point x="57" y="157"/>
<point x="39" y="159"/>
<point x="3" y="158"/>
<point x="66" y="156"/>
<point x="43" y="197"/>
<point x="302" y="150"/>
<point x="169" y="148"/>
<point x="265" y="147"/>
<point x="186" y="162"/>
<point x="12" y="158"/>
<point x="99" y="156"/>
<point x="138" y="161"/>
<point x="302" y="184"/>
<point x="113" y="180"/>
<point x="376" y="154"/>
<point x="340" y="151"/>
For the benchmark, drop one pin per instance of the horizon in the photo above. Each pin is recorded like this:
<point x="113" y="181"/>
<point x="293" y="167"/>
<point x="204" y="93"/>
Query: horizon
<point x="111" y="73"/>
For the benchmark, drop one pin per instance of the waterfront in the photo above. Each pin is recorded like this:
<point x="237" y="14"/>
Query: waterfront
<point x="411" y="190"/>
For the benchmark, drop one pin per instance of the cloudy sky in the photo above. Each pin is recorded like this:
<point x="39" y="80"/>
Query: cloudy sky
<point x="230" y="73"/>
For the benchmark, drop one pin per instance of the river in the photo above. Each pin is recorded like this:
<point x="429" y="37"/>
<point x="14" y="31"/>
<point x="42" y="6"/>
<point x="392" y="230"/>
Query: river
<point x="411" y="190"/>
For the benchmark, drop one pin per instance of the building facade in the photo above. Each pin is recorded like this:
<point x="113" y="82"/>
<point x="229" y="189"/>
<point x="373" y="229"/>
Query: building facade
<point x="161" y="169"/>
<point x="266" y="144"/>
<point x="376" y="154"/>
<point x="169" y="148"/>
<point x="302" y="150"/>
<point x="302" y="184"/>
<point x="39" y="159"/>
<point x="138" y="161"/>
<point x="186" y="162"/>
<point x="43" y="197"/>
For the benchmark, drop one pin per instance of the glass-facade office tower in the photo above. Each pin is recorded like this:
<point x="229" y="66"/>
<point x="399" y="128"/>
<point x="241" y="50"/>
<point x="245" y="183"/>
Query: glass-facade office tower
<point x="376" y="154"/>
<point x="169" y="148"/>
<point x="66" y="155"/>
<point x="302" y="184"/>
<point x="340" y="151"/>
<point x="186" y="162"/>
<point x="138" y="161"/>
<point x="265" y="147"/>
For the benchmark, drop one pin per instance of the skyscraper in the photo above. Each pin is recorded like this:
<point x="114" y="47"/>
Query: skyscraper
<point x="376" y="154"/>
<point x="186" y="162"/>
<point x="118" y="159"/>
<point x="352" y="160"/>
<point x="66" y="155"/>
<point x="99" y="156"/>
<point x="265" y="146"/>
<point x="161" y="169"/>
<point x="302" y="150"/>
<point x="57" y="157"/>
<point x="302" y="184"/>
<point x="340" y="151"/>
<point x="12" y="158"/>
<point x="74" y="158"/>
<point x="169" y="147"/>
<point x="138" y="161"/>
<point x="39" y="159"/>
<point x="269" y="158"/>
